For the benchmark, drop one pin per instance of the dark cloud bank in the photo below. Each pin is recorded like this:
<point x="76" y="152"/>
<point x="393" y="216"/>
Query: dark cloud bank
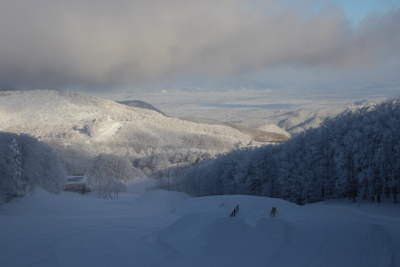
<point x="106" y="44"/>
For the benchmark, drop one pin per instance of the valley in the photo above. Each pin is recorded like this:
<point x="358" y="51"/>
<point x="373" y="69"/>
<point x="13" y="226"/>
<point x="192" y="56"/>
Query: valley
<point x="200" y="133"/>
<point x="147" y="150"/>
<point x="290" y="109"/>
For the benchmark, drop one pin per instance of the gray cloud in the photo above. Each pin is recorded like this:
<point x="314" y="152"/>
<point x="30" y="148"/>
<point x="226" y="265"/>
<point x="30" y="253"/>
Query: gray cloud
<point x="105" y="44"/>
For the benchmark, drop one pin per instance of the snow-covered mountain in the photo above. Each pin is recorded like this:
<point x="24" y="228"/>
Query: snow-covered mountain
<point x="299" y="120"/>
<point x="296" y="120"/>
<point x="76" y="117"/>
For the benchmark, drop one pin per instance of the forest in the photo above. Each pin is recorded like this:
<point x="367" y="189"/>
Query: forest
<point x="354" y="155"/>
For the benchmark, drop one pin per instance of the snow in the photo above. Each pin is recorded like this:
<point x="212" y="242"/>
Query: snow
<point x="76" y="179"/>
<point x="295" y="110"/>
<point x="272" y="128"/>
<point x="161" y="228"/>
<point x="75" y="117"/>
<point x="108" y="129"/>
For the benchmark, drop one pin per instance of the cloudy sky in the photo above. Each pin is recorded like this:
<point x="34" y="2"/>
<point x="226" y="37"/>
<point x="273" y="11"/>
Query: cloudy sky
<point x="107" y="45"/>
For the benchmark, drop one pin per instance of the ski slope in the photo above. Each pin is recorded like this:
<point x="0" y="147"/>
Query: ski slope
<point x="161" y="228"/>
<point x="109" y="128"/>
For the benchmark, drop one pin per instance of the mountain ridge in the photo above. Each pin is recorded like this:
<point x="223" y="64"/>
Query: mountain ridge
<point x="65" y="116"/>
<point x="141" y="104"/>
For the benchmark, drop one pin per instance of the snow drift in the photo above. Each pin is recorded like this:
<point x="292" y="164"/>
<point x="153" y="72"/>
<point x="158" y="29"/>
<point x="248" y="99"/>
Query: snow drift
<point x="161" y="228"/>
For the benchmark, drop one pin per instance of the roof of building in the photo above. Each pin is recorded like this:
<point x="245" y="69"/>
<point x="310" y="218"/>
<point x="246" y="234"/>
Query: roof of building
<point x="76" y="179"/>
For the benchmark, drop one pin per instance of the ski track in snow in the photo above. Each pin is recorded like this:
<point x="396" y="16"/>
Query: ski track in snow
<point x="109" y="129"/>
<point x="161" y="228"/>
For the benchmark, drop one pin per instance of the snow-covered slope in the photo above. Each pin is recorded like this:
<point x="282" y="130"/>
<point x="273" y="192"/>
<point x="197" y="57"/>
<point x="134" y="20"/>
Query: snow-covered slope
<point x="161" y="228"/>
<point x="300" y="120"/>
<point x="274" y="129"/>
<point x="75" y="117"/>
<point x="297" y="120"/>
<point x="270" y="133"/>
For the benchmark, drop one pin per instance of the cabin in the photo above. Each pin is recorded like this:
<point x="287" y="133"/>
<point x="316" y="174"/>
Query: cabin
<point x="76" y="183"/>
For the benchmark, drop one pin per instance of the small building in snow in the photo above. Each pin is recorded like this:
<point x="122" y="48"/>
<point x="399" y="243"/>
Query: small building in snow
<point x="76" y="183"/>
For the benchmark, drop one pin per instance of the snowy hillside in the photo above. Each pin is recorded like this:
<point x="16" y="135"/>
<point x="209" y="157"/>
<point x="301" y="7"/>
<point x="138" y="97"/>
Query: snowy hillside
<point x="273" y="128"/>
<point x="161" y="228"/>
<point x="75" y="117"/>
<point x="265" y="133"/>
<point x="300" y="120"/>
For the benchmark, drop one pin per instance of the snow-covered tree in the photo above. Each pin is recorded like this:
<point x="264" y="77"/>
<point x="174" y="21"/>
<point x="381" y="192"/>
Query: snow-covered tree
<point x="356" y="154"/>
<point x="26" y="163"/>
<point x="111" y="187"/>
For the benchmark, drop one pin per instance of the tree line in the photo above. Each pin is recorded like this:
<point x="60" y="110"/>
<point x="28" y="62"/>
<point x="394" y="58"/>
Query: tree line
<point x="26" y="163"/>
<point x="354" y="155"/>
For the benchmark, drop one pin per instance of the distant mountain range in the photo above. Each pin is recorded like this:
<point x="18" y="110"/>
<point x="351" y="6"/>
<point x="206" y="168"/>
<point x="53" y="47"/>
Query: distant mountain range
<point x="299" y="120"/>
<point x="67" y="117"/>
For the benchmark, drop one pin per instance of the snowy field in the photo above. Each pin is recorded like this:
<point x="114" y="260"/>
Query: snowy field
<point x="161" y="228"/>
